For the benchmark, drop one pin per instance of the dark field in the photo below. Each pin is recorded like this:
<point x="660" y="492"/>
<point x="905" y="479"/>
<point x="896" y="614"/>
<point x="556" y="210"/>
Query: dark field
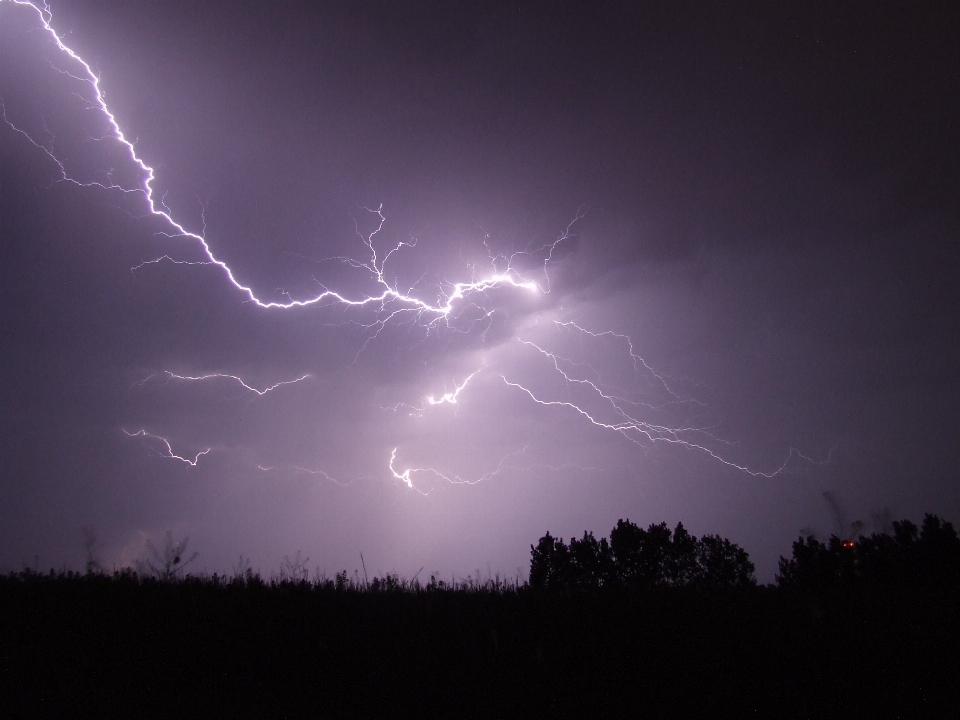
<point x="125" y="646"/>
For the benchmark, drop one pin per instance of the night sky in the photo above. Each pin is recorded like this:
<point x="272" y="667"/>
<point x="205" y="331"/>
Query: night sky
<point x="722" y="240"/>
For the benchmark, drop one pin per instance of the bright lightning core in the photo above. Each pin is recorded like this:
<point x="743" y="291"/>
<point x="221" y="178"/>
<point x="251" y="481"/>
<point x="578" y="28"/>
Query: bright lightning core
<point x="461" y="305"/>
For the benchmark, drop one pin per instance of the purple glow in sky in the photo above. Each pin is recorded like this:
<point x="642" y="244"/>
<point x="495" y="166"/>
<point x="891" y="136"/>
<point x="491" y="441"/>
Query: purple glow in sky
<point x="426" y="283"/>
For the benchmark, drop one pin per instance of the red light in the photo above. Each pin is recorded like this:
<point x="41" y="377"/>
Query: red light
<point x="849" y="544"/>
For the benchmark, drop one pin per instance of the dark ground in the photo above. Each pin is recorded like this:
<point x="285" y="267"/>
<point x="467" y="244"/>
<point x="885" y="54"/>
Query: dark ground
<point x="122" y="647"/>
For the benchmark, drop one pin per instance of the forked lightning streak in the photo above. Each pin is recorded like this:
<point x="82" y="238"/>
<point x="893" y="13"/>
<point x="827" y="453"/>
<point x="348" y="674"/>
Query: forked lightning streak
<point x="169" y="448"/>
<point x="215" y="376"/>
<point x="388" y="303"/>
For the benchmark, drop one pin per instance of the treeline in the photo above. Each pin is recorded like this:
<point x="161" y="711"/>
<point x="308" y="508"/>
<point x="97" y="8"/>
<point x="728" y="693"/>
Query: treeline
<point x="637" y="558"/>
<point x="927" y="557"/>
<point x="911" y="558"/>
<point x="646" y="622"/>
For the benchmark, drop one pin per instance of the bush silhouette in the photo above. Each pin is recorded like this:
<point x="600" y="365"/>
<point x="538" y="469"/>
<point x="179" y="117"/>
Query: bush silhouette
<point x="634" y="557"/>
<point x="168" y="564"/>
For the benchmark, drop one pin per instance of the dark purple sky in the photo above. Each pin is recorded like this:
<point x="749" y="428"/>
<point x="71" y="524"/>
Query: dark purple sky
<point x="765" y="203"/>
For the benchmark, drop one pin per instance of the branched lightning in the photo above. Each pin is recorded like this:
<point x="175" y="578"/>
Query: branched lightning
<point x="623" y="419"/>
<point x="637" y="431"/>
<point x="451" y="397"/>
<point x="638" y="362"/>
<point x="169" y="448"/>
<point x="388" y="303"/>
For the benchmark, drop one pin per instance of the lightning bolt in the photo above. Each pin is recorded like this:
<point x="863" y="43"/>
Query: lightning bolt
<point x="451" y="397"/>
<point x="624" y="420"/>
<point x="406" y="477"/>
<point x="638" y="362"/>
<point x="325" y="475"/>
<point x="214" y="376"/>
<point x="388" y="303"/>
<point x="637" y="430"/>
<point x="169" y="448"/>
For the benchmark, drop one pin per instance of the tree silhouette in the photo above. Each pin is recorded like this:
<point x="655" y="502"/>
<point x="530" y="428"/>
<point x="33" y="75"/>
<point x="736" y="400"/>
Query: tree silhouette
<point x="590" y="561"/>
<point x="723" y="564"/>
<point x="638" y="558"/>
<point x="926" y="556"/>
<point x="549" y="562"/>
<point x="816" y="565"/>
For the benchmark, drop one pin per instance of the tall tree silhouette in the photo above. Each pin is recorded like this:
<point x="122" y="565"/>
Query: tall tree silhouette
<point x="549" y="563"/>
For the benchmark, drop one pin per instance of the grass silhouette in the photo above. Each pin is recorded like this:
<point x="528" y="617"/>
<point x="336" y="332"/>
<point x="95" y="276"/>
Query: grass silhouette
<point x="159" y="644"/>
